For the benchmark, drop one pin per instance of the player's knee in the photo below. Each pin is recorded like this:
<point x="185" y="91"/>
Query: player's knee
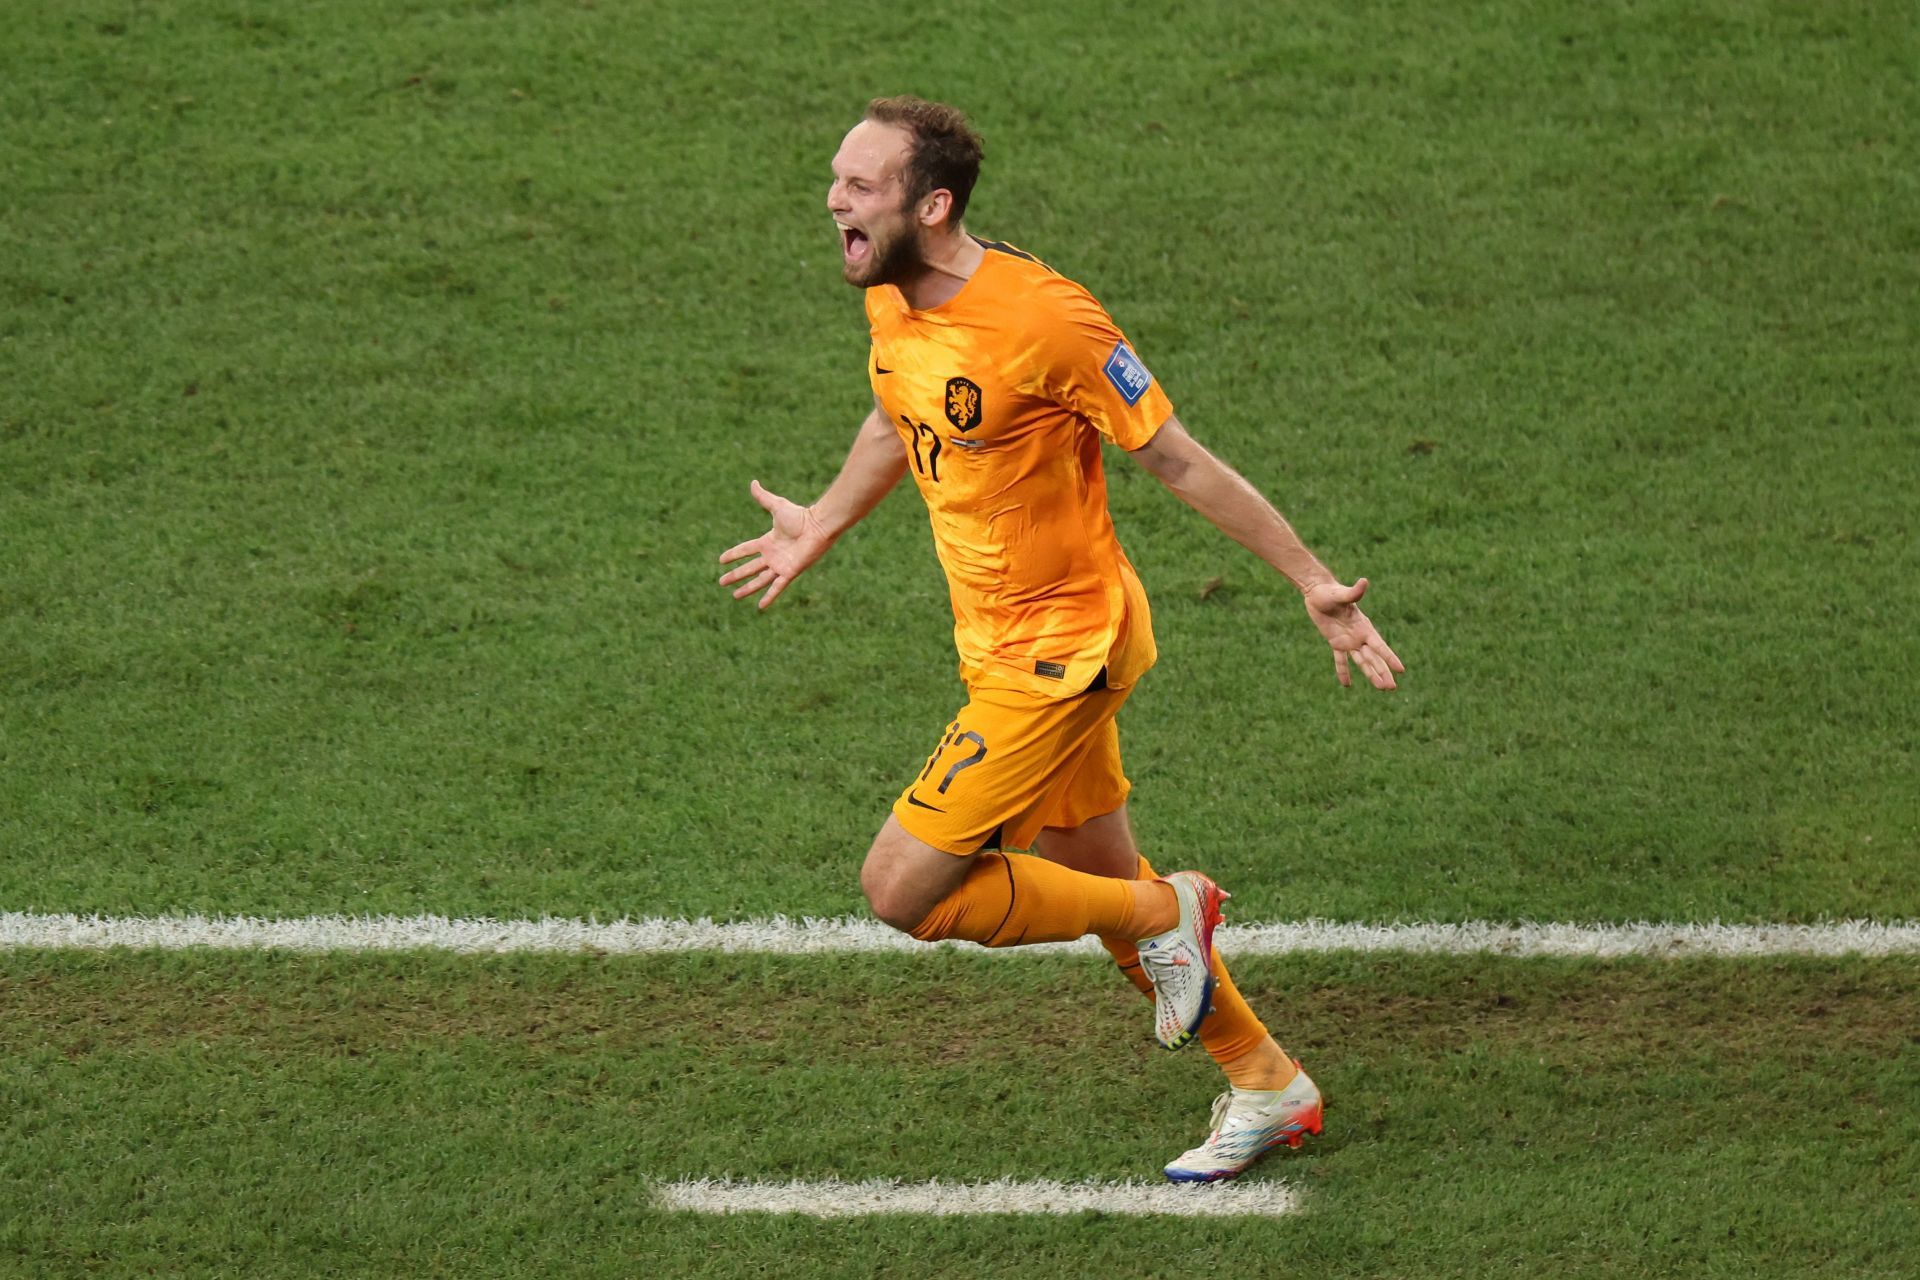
<point x="891" y="903"/>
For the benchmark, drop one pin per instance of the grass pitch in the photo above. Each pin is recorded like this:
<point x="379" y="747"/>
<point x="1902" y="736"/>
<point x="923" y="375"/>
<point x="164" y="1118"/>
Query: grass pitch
<point x="427" y="1115"/>
<point x="387" y="379"/>
<point x="381" y="382"/>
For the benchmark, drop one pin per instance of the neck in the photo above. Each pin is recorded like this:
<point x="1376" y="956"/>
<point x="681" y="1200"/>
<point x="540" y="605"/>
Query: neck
<point x="949" y="260"/>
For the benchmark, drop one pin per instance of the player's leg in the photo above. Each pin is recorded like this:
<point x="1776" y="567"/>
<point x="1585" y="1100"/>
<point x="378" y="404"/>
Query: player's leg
<point x="1233" y="1035"/>
<point x="998" y="899"/>
<point x="988" y="786"/>
<point x="1002" y="899"/>
<point x="1100" y="846"/>
<point x="1104" y="846"/>
<point x="1087" y="828"/>
<point x="1270" y="1102"/>
<point x="934" y="869"/>
<point x="904" y="877"/>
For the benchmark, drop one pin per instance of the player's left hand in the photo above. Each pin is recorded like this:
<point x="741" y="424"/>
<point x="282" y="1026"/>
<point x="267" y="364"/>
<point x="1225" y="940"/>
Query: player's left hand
<point x="1335" y="610"/>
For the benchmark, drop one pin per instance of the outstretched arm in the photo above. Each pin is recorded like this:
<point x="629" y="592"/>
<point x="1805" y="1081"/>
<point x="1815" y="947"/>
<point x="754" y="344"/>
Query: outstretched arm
<point x="1223" y="496"/>
<point x="800" y="535"/>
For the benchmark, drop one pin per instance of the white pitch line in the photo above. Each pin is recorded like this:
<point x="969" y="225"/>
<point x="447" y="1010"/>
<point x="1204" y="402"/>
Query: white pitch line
<point x="844" y="935"/>
<point x="833" y="1198"/>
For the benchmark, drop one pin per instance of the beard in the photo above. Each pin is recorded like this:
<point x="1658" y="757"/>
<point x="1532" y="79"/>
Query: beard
<point x="892" y="260"/>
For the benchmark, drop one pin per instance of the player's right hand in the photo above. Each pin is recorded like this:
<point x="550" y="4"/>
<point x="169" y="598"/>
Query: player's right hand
<point x="779" y="555"/>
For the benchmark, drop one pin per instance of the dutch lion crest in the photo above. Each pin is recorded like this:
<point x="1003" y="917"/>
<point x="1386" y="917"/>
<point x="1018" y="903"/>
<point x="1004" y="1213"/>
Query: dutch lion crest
<point x="963" y="403"/>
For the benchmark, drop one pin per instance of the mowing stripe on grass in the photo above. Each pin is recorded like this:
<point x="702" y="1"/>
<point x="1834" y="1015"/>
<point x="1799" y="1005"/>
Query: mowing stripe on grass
<point x="781" y="936"/>
<point x="836" y="1199"/>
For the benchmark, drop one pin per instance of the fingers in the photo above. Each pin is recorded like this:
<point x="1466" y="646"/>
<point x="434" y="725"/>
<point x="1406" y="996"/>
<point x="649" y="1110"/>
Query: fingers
<point x="772" y="502"/>
<point x="773" y="592"/>
<point x="1352" y="635"/>
<point x="1378" y="662"/>
<point x="1376" y="668"/>
<point x="760" y="580"/>
<point x="746" y="570"/>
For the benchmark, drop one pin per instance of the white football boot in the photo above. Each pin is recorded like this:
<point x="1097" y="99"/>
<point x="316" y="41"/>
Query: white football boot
<point x="1248" y="1123"/>
<point x="1179" y="962"/>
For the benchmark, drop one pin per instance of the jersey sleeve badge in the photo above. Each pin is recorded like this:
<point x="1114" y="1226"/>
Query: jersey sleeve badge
<point x="1128" y="376"/>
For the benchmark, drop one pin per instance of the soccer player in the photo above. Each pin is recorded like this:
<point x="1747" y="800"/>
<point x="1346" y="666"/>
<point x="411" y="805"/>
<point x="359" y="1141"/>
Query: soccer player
<point x="995" y="381"/>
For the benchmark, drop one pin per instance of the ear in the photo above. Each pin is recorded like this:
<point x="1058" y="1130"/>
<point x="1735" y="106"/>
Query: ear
<point x="936" y="207"/>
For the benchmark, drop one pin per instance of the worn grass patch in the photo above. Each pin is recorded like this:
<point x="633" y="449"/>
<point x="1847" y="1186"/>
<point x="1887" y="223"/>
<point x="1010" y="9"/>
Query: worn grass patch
<point x="438" y="1115"/>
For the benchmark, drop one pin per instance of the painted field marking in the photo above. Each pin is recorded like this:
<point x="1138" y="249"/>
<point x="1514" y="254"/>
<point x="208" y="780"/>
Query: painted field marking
<point x="844" y="935"/>
<point x="833" y="1198"/>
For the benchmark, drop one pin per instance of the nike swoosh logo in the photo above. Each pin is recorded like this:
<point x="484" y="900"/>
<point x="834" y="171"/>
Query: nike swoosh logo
<point x="916" y="800"/>
<point x="878" y="369"/>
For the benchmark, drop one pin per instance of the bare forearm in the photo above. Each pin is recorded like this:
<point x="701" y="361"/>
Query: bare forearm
<point x="874" y="465"/>
<point x="1235" y="507"/>
<point x="1223" y="496"/>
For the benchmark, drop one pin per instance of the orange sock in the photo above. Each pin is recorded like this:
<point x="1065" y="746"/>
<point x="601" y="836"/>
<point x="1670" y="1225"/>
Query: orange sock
<point x="1232" y="1034"/>
<point x="1009" y="899"/>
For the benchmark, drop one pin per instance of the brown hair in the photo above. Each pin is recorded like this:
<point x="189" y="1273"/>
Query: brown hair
<point x="945" y="151"/>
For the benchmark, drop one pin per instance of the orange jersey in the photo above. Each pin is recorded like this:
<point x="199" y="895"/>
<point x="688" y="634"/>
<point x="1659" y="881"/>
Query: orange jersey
<point x="1002" y="395"/>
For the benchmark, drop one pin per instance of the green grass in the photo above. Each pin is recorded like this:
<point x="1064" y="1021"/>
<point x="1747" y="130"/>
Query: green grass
<point x="382" y="381"/>
<point x="388" y="378"/>
<point x="427" y="1115"/>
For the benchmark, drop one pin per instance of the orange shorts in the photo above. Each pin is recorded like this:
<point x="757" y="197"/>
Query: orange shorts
<point x="1012" y="763"/>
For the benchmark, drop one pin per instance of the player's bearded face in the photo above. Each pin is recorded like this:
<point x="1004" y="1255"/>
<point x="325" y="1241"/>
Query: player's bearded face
<point x="879" y="232"/>
<point x="884" y="250"/>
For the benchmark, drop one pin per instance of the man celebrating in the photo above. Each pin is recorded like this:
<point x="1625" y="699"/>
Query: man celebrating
<point x="995" y="380"/>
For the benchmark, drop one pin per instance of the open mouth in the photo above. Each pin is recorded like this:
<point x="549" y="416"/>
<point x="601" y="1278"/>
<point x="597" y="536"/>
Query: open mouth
<point x="854" y="243"/>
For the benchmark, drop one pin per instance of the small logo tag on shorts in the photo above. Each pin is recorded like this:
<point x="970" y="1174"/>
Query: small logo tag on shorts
<point x="1128" y="376"/>
<point x="1051" y="670"/>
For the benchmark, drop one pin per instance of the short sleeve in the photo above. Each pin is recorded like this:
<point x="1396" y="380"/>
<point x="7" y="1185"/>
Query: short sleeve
<point x="1087" y="365"/>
